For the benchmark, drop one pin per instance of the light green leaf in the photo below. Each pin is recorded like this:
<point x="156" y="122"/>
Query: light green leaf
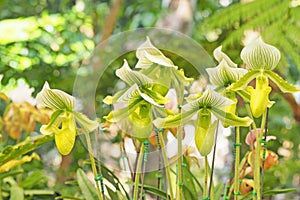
<point x="244" y="81"/>
<point x="230" y="119"/>
<point x="219" y="55"/>
<point x="283" y="85"/>
<point x="54" y="99"/>
<point x="148" y="54"/>
<point x="132" y="77"/>
<point x="174" y="120"/>
<point x="223" y="75"/>
<point x="86" y="186"/>
<point x="16" y="193"/>
<point x="84" y="122"/>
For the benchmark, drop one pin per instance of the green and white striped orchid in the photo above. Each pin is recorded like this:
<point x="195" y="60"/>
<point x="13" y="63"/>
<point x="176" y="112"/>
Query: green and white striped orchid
<point x="63" y="120"/>
<point x="261" y="59"/>
<point x="225" y="74"/>
<point x="158" y="67"/>
<point x="210" y="102"/>
<point x="139" y="99"/>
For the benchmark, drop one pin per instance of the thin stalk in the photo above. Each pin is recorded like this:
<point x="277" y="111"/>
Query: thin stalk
<point x="179" y="162"/>
<point x="93" y="164"/>
<point x="264" y="153"/>
<point x="166" y="164"/>
<point x="159" y="163"/>
<point x="211" y="186"/>
<point x="98" y="162"/>
<point x="237" y="149"/>
<point x="146" y="151"/>
<point x="137" y="172"/>
<point x="205" y="177"/>
<point x="256" y="163"/>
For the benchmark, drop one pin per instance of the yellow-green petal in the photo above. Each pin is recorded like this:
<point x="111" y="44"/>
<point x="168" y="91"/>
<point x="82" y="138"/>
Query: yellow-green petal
<point x="204" y="138"/>
<point x="219" y="55"/>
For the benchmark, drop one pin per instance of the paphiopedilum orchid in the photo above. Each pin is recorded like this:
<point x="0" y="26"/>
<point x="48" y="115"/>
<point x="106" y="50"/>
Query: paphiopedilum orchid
<point x="64" y="118"/>
<point x="210" y="102"/>
<point x="261" y="59"/>
<point x="157" y="66"/>
<point x="225" y="74"/>
<point x="139" y="99"/>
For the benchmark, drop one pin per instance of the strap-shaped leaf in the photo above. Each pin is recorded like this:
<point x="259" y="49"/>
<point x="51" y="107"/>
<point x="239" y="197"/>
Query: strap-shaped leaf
<point x="230" y="119"/>
<point x="86" y="186"/>
<point x="244" y="81"/>
<point x="219" y="55"/>
<point x="283" y="85"/>
<point x="84" y="122"/>
<point x="149" y="54"/>
<point x="54" y="99"/>
<point x="132" y="77"/>
<point x="223" y="75"/>
<point x="174" y="120"/>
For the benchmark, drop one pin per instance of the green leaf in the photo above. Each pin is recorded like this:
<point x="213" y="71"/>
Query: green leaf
<point x="34" y="178"/>
<point x="189" y="190"/>
<point x="132" y="77"/>
<point x="11" y="173"/>
<point x="153" y="190"/>
<point x="244" y="81"/>
<point x="283" y="85"/>
<point x="230" y="119"/>
<point x="68" y="198"/>
<point x="279" y="191"/>
<point x="29" y="144"/>
<point x="16" y="193"/>
<point x="86" y="186"/>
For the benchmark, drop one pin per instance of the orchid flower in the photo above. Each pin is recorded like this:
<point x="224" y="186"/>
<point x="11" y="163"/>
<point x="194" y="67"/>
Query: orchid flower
<point x="140" y="100"/>
<point x="210" y="102"/>
<point x="157" y="66"/>
<point x="261" y="59"/>
<point x="63" y="120"/>
<point x="225" y="74"/>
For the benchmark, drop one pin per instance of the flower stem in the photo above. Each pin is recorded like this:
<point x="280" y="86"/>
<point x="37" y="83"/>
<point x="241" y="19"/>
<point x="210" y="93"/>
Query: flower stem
<point x="205" y="177"/>
<point x="237" y="149"/>
<point x="166" y="163"/>
<point x="256" y="164"/>
<point x="265" y="147"/>
<point x="179" y="161"/>
<point x="93" y="164"/>
<point x="138" y="171"/>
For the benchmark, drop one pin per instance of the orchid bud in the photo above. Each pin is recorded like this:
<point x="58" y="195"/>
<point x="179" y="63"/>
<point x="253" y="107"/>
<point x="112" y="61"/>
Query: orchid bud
<point x="259" y="55"/>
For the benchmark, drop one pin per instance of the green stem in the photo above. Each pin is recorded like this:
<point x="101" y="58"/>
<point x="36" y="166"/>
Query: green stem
<point x="237" y="149"/>
<point x="93" y="164"/>
<point x="166" y="163"/>
<point x="138" y="171"/>
<point x="205" y="177"/>
<point x="256" y="163"/>
<point x="179" y="162"/>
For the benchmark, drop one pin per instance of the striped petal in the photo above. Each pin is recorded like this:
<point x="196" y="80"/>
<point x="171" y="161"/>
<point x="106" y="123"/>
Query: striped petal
<point x="54" y="99"/>
<point x="149" y="54"/>
<point x="223" y="75"/>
